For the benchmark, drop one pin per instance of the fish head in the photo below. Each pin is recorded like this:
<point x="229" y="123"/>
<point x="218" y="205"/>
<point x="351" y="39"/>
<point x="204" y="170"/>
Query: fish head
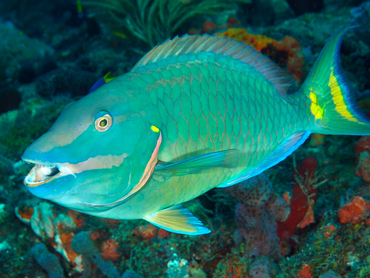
<point x="98" y="152"/>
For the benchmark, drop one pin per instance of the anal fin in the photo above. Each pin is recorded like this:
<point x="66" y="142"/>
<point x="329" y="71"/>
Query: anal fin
<point x="279" y="154"/>
<point x="179" y="220"/>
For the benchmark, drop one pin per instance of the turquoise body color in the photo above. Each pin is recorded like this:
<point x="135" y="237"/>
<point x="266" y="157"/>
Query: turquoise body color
<point x="197" y="112"/>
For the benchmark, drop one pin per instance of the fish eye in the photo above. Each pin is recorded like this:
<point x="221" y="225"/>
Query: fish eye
<point x="103" y="121"/>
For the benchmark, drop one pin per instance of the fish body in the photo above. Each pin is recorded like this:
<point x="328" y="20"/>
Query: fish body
<point x="196" y="112"/>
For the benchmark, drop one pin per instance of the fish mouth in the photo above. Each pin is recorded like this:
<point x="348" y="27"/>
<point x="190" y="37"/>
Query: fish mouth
<point x="44" y="173"/>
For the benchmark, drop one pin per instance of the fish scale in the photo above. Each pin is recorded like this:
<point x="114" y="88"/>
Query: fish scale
<point x="221" y="118"/>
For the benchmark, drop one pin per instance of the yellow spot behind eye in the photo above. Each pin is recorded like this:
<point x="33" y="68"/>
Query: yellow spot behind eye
<point x="154" y="128"/>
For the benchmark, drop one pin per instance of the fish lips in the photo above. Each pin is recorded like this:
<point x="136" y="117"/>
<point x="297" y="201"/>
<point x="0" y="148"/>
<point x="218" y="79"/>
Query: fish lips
<point x="50" y="181"/>
<point x="46" y="168"/>
<point x="57" y="182"/>
<point x="43" y="173"/>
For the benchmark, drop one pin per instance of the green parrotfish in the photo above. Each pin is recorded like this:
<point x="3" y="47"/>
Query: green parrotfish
<point x="195" y="113"/>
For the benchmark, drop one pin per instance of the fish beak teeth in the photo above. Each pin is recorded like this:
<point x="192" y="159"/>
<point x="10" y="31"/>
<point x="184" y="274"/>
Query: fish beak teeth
<point x="65" y="170"/>
<point x="41" y="174"/>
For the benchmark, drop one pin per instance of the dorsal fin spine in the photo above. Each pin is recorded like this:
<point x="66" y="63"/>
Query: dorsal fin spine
<point x="183" y="46"/>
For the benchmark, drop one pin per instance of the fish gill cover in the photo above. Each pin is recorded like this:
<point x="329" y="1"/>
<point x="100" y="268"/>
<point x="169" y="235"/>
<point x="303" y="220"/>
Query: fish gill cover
<point x="308" y="216"/>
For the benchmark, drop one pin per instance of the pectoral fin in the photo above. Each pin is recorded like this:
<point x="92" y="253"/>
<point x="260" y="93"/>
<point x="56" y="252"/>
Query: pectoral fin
<point x="228" y="159"/>
<point x="177" y="219"/>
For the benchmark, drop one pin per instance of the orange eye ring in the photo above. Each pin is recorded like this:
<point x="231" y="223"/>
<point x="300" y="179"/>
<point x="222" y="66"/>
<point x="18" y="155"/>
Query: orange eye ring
<point x="103" y="123"/>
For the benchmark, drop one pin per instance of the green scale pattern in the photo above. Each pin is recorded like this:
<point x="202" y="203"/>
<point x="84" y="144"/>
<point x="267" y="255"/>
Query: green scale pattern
<point x="203" y="106"/>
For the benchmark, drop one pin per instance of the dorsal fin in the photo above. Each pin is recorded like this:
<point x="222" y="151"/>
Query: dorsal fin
<point x="221" y="45"/>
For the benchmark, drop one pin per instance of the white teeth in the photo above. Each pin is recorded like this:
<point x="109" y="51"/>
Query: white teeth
<point x="30" y="177"/>
<point x="44" y="173"/>
<point x="65" y="170"/>
<point x="45" y="170"/>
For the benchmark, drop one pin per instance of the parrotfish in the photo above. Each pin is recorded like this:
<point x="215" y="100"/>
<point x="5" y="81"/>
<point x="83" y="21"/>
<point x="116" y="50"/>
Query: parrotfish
<point x="195" y="113"/>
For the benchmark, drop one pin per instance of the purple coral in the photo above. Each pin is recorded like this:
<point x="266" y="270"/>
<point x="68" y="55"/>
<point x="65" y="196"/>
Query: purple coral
<point x="84" y="245"/>
<point x="48" y="261"/>
<point x="256" y="214"/>
<point x="263" y="267"/>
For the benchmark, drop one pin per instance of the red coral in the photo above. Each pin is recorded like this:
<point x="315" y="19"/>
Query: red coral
<point x="363" y="167"/>
<point x="209" y="26"/>
<point x="109" y="249"/>
<point x="309" y="216"/>
<point x="355" y="212"/>
<point x="24" y="214"/>
<point x="233" y="267"/>
<point x="305" y="272"/>
<point x="94" y="235"/>
<point x="303" y="196"/>
<point x="294" y="61"/>
<point x="329" y="231"/>
<point x="163" y="233"/>
<point x="77" y="218"/>
<point x="363" y="145"/>
<point x="66" y="239"/>
<point x="147" y="231"/>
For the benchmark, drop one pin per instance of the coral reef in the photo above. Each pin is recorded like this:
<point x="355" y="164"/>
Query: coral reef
<point x="355" y="212"/>
<point x="256" y="214"/>
<point x="177" y="268"/>
<point x="303" y="197"/>
<point x="49" y="262"/>
<point x="363" y="167"/>
<point x="109" y="248"/>
<point x="147" y="231"/>
<point x="286" y="53"/>
<point x="262" y="268"/>
<point x="84" y="245"/>
<point x="305" y="272"/>
<point x="56" y="229"/>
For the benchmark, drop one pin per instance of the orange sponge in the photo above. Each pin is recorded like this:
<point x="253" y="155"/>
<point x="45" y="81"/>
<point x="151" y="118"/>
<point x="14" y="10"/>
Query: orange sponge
<point x="286" y="53"/>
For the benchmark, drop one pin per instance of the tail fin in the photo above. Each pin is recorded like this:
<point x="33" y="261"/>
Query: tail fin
<point x="332" y="104"/>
